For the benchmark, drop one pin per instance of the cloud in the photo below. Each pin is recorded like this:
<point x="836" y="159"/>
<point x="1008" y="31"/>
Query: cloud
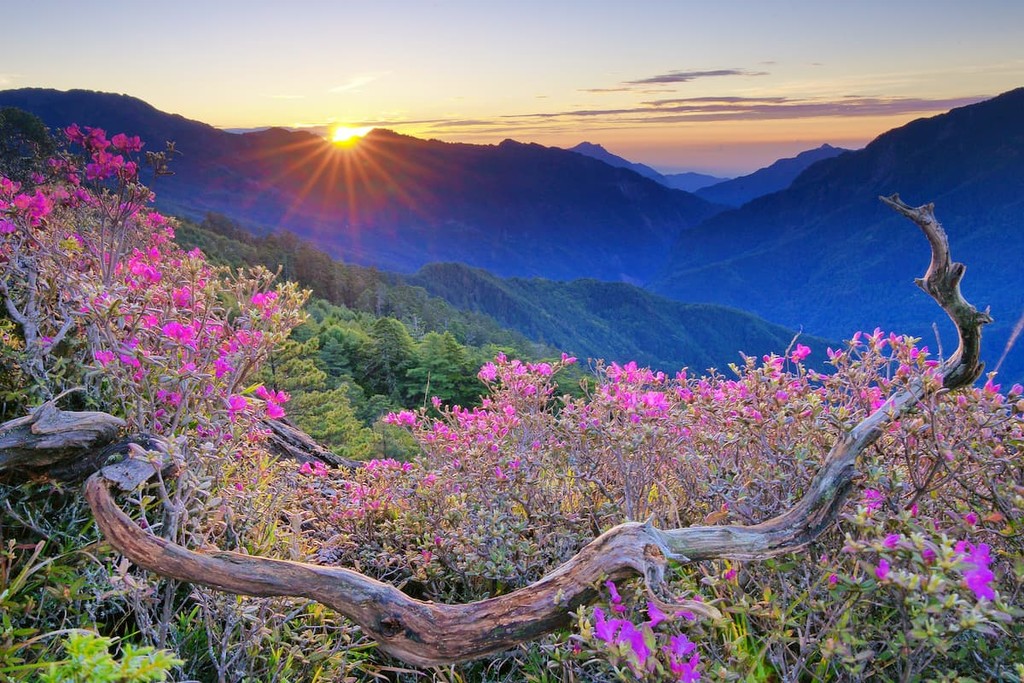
<point x="757" y="108"/>
<point x="687" y="76"/>
<point x="8" y="79"/>
<point x="286" y="97"/>
<point x="353" y="83"/>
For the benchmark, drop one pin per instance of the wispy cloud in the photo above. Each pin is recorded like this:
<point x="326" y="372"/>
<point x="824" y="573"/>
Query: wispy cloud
<point x="676" y="111"/>
<point x="9" y="79"/>
<point x="688" y="76"/>
<point x="353" y="84"/>
<point x="758" y="108"/>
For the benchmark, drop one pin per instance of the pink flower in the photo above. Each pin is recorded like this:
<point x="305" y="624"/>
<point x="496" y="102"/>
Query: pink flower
<point x="103" y="357"/>
<point x="182" y="296"/>
<point x="123" y="143"/>
<point x="872" y="500"/>
<point x="221" y="367"/>
<point x="274" y="411"/>
<point x="543" y="369"/>
<point x="832" y="580"/>
<point x="891" y="541"/>
<point x="7" y="227"/>
<point x="684" y="669"/>
<point x="488" y="373"/>
<point x="977" y="576"/>
<point x="882" y="570"/>
<point x="800" y="353"/>
<point x="183" y="334"/>
<point x="634" y="637"/>
<point x="236" y="404"/>
<point x="654" y="614"/>
<point x="679" y="646"/>
<point x="605" y="629"/>
<point x="405" y="418"/>
<point x="74" y="134"/>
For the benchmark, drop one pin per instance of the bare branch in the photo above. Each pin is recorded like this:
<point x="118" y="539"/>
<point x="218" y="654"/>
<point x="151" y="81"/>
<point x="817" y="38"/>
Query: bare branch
<point x="426" y="633"/>
<point x="50" y="438"/>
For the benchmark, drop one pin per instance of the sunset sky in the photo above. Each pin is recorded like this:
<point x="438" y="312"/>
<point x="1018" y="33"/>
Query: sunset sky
<point x="722" y="87"/>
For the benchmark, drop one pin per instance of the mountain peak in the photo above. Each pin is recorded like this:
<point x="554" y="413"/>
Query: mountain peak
<point x="777" y="176"/>
<point x="589" y="148"/>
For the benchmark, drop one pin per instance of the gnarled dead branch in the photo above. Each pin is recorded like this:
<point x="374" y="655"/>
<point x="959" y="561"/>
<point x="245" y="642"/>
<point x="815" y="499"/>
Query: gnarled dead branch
<point x="285" y="440"/>
<point x="426" y="633"/>
<point x="60" y="444"/>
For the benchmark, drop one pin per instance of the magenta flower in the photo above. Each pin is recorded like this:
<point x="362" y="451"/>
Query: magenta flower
<point x="800" y="353"/>
<point x="404" y="418"/>
<point x="882" y="570"/>
<point x="872" y="500"/>
<point x="488" y="372"/>
<point x="680" y="646"/>
<point x="686" y="670"/>
<point x="603" y="628"/>
<point x="236" y="404"/>
<point x="891" y="541"/>
<point x="655" y="615"/>
<point x="634" y="637"/>
<point x="103" y="357"/>
<point x="221" y="367"/>
<point x="977" y="575"/>
<point x="183" y="334"/>
<point x="124" y="143"/>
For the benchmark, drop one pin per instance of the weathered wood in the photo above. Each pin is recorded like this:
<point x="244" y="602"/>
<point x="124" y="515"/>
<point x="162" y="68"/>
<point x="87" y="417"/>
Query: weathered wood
<point x="58" y="443"/>
<point x="288" y="441"/>
<point x="426" y="633"/>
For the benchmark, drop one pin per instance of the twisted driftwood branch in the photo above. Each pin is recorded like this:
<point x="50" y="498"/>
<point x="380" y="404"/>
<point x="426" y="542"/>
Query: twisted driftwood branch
<point x="426" y="633"/>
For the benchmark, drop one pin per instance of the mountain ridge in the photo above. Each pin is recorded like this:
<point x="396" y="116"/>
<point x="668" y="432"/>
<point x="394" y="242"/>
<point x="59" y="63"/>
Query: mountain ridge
<point x="824" y="254"/>
<point x="776" y="176"/>
<point x="398" y="202"/>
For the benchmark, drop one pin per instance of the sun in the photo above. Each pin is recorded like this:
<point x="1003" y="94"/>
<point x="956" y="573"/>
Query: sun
<point x="346" y="136"/>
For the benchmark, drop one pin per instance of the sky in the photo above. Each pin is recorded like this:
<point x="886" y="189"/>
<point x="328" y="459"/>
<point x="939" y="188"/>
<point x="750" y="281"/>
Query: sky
<point x="722" y="87"/>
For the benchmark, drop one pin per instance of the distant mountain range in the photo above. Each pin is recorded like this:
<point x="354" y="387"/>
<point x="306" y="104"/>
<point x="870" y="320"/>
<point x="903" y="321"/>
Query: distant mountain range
<point x="398" y="202"/>
<point x="817" y="252"/>
<point x="778" y="176"/>
<point x="826" y="256"/>
<point x="689" y="182"/>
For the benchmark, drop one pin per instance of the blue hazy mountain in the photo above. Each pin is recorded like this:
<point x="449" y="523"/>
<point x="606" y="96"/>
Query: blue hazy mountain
<point x="777" y="176"/>
<point x="689" y="181"/>
<point x="826" y="256"/>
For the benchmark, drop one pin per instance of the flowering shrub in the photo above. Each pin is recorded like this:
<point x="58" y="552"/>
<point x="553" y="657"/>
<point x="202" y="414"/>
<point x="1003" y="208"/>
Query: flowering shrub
<point x="920" y="574"/>
<point x="103" y="298"/>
